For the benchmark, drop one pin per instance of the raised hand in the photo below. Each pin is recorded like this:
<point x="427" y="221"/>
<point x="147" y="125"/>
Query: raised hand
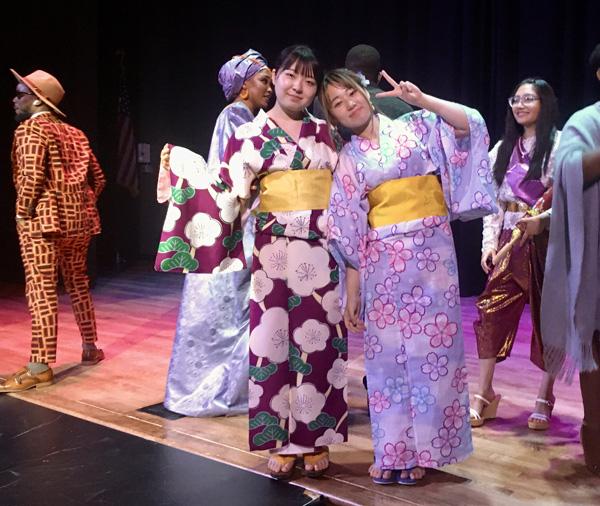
<point x="165" y="156"/>
<point x="404" y="90"/>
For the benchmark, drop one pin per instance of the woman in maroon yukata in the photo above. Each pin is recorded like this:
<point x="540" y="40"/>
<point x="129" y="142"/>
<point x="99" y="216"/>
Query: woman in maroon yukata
<point x="523" y="165"/>
<point x="280" y="166"/>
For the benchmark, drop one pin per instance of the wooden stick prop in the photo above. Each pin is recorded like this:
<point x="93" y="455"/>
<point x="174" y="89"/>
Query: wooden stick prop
<point x="543" y="204"/>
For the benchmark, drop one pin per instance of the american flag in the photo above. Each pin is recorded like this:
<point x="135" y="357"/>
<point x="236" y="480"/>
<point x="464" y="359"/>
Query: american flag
<point x="127" y="173"/>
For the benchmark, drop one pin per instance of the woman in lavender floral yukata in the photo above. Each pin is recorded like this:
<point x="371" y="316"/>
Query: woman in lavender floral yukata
<point x="397" y="186"/>
<point x="523" y="163"/>
<point x="280" y="165"/>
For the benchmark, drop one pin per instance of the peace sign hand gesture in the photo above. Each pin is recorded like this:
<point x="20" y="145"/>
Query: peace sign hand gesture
<point x="404" y="90"/>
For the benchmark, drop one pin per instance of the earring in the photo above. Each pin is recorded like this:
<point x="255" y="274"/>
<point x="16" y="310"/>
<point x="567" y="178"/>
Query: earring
<point x="244" y="94"/>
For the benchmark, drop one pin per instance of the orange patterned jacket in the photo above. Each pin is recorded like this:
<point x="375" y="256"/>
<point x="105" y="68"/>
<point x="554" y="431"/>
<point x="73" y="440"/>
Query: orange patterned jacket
<point x="57" y="178"/>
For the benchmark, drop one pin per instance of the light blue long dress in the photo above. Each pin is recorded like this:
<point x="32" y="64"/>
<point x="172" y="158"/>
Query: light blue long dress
<point x="208" y="373"/>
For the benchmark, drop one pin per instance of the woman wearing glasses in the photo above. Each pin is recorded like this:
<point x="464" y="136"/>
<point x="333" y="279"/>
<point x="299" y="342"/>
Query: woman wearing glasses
<point x="522" y="165"/>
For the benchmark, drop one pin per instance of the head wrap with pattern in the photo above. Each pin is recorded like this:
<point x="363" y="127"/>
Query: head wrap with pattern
<point x="238" y="70"/>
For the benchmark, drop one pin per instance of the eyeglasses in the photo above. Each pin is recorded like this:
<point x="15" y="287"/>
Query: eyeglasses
<point x="21" y="94"/>
<point x="525" y="100"/>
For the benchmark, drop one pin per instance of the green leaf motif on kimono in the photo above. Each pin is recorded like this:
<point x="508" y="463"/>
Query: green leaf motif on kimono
<point x="297" y="161"/>
<point x="181" y="196"/>
<point x="263" y="373"/>
<point x="261" y="220"/>
<point x="294" y="352"/>
<point x="179" y="260"/>
<point x="323" y="420"/>
<point x="278" y="229"/>
<point x="174" y="243"/>
<point x="334" y="275"/>
<point x="230" y="242"/>
<point x="221" y="185"/>
<point x="278" y="132"/>
<point x="263" y="418"/>
<point x="271" y="433"/>
<point x="313" y="235"/>
<point x="340" y="344"/>
<point x="298" y="365"/>
<point x="294" y="301"/>
<point x="269" y="148"/>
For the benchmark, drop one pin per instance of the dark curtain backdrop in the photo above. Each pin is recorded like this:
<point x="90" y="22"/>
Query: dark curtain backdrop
<point x="470" y="51"/>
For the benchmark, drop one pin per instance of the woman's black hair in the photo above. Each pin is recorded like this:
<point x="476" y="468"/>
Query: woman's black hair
<point x="545" y="129"/>
<point x="304" y="60"/>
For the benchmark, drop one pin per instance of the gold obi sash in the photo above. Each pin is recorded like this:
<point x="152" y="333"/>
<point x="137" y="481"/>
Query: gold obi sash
<point x="406" y="199"/>
<point x="295" y="190"/>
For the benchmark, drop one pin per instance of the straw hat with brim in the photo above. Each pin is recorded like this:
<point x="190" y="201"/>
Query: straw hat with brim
<point x="45" y="86"/>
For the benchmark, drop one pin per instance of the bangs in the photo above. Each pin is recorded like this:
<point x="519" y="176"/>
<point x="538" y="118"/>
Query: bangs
<point x="302" y="60"/>
<point x="340" y="78"/>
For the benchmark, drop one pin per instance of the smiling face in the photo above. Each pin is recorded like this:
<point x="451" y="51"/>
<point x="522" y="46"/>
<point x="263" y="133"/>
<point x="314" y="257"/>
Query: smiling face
<point x="527" y="109"/>
<point x="259" y="89"/>
<point x="294" y="89"/>
<point x="348" y="107"/>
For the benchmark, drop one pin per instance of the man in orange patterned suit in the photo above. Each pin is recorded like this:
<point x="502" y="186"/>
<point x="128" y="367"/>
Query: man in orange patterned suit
<point x="57" y="179"/>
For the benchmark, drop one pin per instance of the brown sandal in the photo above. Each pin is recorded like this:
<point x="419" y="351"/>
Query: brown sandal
<point x="312" y="459"/>
<point x="283" y="460"/>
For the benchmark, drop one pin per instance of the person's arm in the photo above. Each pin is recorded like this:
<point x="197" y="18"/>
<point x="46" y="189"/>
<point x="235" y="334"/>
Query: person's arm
<point x="97" y="175"/>
<point x="29" y="154"/>
<point x="352" y="311"/>
<point x="451" y="112"/>
<point x="590" y="163"/>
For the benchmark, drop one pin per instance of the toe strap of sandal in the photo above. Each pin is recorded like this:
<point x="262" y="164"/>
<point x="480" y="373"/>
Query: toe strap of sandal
<point x="539" y="417"/>
<point x="474" y="414"/>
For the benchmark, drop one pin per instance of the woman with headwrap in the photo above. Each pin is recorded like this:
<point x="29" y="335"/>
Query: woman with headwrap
<point x="208" y="373"/>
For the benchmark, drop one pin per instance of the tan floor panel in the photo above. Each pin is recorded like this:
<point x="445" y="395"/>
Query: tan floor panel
<point x="136" y="319"/>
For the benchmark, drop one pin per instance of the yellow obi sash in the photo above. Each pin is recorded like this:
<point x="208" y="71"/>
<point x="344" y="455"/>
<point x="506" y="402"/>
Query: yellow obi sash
<point x="406" y="199"/>
<point x="295" y="190"/>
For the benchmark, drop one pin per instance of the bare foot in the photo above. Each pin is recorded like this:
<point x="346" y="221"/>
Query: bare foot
<point x="318" y="461"/>
<point x="478" y="404"/>
<point x="416" y="473"/>
<point x="375" y="472"/>
<point x="281" y="464"/>
<point x="543" y="408"/>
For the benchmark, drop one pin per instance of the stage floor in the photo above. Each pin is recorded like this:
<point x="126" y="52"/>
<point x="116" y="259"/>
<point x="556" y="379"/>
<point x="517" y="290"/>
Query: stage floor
<point x="136" y="312"/>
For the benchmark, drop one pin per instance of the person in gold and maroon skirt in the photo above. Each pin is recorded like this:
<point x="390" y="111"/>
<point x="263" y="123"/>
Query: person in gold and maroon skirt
<point x="523" y="164"/>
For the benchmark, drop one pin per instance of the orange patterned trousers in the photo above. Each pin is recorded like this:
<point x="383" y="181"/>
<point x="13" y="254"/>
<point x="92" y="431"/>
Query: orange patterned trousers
<point x="42" y="259"/>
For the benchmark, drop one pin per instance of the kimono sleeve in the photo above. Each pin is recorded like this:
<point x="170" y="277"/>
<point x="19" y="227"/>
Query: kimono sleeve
<point x="492" y="223"/>
<point x="202" y="232"/>
<point x="347" y="218"/>
<point x="464" y="165"/>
